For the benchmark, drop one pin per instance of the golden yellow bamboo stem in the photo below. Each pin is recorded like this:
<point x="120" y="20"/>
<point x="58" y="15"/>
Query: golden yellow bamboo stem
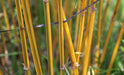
<point x="6" y="18"/>
<point x="3" y="38"/>
<point x="23" y="37"/>
<point x="81" y="29"/>
<point x="2" y="59"/>
<point x="55" y="32"/>
<point x="36" y="30"/>
<point x="98" y="34"/>
<point x="48" y="36"/>
<point x="90" y="35"/>
<point x="57" y="56"/>
<point x="4" y="45"/>
<point x="53" y="4"/>
<point x="66" y="6"/>
<point x="1" y="73"/>
<point x="66" y="53"/>
<point x="61" y="37"/>
<point x="55" y="38"/>
<point x="110" y="30"/>
<point x="70" y="14"/>
<point x="30" y="32"/>
<point x="77" y="24"/>
<point x="104" y="15"/>
<point x="116" y="49"/>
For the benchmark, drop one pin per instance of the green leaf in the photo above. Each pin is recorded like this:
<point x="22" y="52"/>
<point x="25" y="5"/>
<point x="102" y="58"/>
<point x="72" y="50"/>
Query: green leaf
<point x="10" y="54"/>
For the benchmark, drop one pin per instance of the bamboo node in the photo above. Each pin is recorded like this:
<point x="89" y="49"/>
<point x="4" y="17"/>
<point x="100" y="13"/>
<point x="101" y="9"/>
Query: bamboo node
<point x="62" y="67"/>
<point x="97" y="48"/>
<point x="25" y="68"/>
<point x="75" y="65"/>
<point x="93" y="9"/>
<point x="83" y="14"/>
<point x="78" y="53"/>
<point x="1" y="15"/>
<point x="45" y="0"/>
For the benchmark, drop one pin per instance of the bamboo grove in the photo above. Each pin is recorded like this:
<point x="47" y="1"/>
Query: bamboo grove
<point x="75" y="37"/>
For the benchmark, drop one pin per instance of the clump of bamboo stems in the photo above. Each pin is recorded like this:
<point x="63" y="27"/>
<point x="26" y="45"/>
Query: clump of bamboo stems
<point x="48" y="36"/>
<point x="81" y="29"/>
<point x="110" y="30"/>
<point x="23" y="37"/>
<point x="6" y="18"/>
<point x="30" y="32"/>
<point x="70" y="46"/>
<point x="98" y="33"/>
<point x="89" y="41"/>
<point x="61" y="37"/>
<point x="69" y="43"/>
<point x="87" y="28"/>
<point x="116" y="49"/>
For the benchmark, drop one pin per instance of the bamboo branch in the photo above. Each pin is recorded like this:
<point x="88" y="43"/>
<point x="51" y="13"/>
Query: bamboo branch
<point x="89" y="41"/>
<point x="81" y="29"/>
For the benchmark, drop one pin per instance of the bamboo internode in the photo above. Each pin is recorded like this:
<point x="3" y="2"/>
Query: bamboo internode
<point x="61" y="37"/>
<point x="48" y="37"/>
<point x="98" y="34"/>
